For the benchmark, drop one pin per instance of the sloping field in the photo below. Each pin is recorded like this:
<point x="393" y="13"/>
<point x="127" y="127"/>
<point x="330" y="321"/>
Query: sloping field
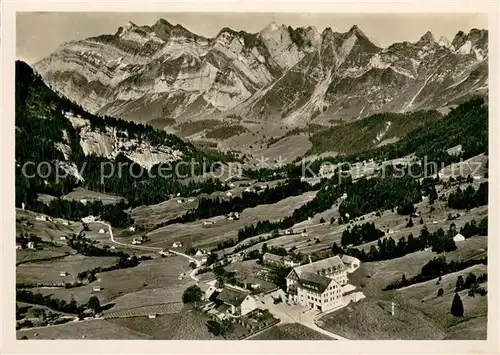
<point x="159" y="273"/>
<point x="166" y="308"/>
<point x="179" y="326"/>
<point x="294" y="331"/>
<point x="92" y="329"/>
<point x="48" y="272"/>
<point x="80" y="193"/>
<point x="49" y="231"/>
<point x="200" y="236"/>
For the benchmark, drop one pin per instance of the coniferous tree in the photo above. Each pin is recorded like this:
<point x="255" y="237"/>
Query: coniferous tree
<point x="457" y="307"/>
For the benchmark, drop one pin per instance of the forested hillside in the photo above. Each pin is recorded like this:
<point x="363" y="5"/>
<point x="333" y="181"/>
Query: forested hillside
<point x="42" y="129"/>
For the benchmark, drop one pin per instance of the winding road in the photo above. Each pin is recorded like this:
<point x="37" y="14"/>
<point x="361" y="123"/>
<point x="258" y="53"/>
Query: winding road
<point x="192" y="274"/>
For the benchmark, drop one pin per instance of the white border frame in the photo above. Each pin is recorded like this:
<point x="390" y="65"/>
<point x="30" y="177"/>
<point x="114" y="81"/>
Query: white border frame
<point x="7" y="216"/>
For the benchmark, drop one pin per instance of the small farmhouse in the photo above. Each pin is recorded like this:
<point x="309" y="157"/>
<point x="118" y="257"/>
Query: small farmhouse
<point x="459" y="238"/>
<point x="177" y="245"/>
<point x="102" y="231"/>
<point x="96" y="288"/>
<point x="88" y="219"/>
<point x="236" y="302"/>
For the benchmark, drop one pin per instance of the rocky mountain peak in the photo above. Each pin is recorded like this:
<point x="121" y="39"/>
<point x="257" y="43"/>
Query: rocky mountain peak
<point x="444" y="42"/>
<point x="459" y="39"/>
<point x="427" y="38"/>
<point x="164" y="70"/>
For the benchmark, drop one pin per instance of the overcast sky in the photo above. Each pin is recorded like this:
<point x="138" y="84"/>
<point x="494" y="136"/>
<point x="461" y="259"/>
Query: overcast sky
<point x="40" y="33"/>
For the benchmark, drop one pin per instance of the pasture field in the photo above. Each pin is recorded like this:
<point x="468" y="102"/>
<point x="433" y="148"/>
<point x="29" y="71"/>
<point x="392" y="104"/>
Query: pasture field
<point x="80" y="193"/>
<point x="49" y="231"/>
<point x="166" y="308"/>
<point x="419" y="312"/>
<point x="292" y="331"/>
<point x="186" y="325"/>
<point x="199" y="236"/>
<point x="48" y="272"/>
<point x="150" y="283"/>
<point x="321" y="236"/>
<point x="48" y="252"/>
<point x="97" y="329"/>
<point x="288" y="148"/>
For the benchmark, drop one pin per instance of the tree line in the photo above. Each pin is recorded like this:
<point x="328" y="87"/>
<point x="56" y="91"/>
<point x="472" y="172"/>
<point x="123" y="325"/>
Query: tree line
<point x="208" y="207"/>
<point x="434" y="268"/>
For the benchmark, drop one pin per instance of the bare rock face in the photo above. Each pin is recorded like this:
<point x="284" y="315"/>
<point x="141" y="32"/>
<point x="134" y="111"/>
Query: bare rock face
<point x="109" y="142"/>
<point x="165" y="71"/>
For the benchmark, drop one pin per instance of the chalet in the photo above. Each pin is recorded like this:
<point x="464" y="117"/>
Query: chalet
<point x="207" y="223"/>
<point x="249" y="190"/>
<point x="136" y="241"/>
<point x="180" y="201"/>
<point x="272" y="259"/>
<point x="231" y="185"/>
<point x="19" y="247"/>
<point x="235" y="302"/>
<point x="88" y="219"/>
<point x="304" y="234"/>
<point x="63" y="274"/>
<point x="41" y="218"/>
<point x="84" y="201"/>
<point x="31" y="245"/>
<point x="102" y="231"/>
<point x="151" y="316"/>
<point x="233" y="216"/>
<point x="199" y="252"/>
<point x="276" y="260"/>
<point x="204" y="259"/>
<point x="177" y="245"/>
<point x="229" y="194"/>
<point x="289" y="262"/>
<point x="66" y="223"/>
<point x="131" y="229"/>
<point x="112" y="247"/>
<point x="209" y="291"/>
<point x="459" y="238"/>
<point x="96" y="288"/>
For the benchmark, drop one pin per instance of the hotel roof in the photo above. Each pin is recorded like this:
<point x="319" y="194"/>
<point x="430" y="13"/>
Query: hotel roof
<point x="329" y="265"/>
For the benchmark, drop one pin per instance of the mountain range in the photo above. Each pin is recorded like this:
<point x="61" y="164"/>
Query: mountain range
<point x="297" y="75"/>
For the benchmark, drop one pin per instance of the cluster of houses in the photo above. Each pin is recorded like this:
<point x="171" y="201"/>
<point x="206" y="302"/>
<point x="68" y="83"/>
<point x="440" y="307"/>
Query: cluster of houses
<point x="276" y="260"/>
<point x="30" y="245"/>
<point x="233" y="216"/>
<point x="139" y="240"/>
